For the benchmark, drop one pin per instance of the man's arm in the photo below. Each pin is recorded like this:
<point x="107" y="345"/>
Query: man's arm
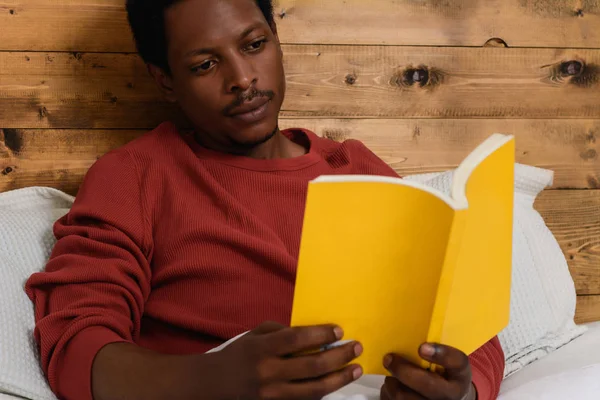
<point x="97" y="280"/>
<point x="124" y="371"/>
<point x="487" y="365"/>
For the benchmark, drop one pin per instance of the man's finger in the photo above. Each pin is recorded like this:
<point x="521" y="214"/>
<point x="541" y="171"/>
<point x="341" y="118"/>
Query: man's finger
<point x="313" y="389"/>
<point x="300" y="339"/>
<point x="455" y="362"/>
<point x="318" y="364"/>
<point x="393" y="389"/>
<point x="267" y="327"/>
<point x="428" y="384"/>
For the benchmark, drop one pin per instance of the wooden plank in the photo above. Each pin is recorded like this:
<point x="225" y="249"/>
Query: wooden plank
<point x="101" y="26"/>
<point x="63" y="90"/>
<point x="573" y="216"/>
<point x="520" y="23"/>
<point x="65" y="25"/>
<point x="568" y="147"/>
<point x="57" y="159"/>
<point x="588" y="309"/>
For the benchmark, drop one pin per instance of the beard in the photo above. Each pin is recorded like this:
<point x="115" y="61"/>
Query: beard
<point x="248" y="145"/>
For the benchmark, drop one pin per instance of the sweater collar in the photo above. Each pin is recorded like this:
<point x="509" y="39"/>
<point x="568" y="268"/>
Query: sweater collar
<point x="303" y="137"/>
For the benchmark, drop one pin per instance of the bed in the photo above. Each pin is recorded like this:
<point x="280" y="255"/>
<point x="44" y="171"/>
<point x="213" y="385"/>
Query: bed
<point x="420" y="83"/>
<point x="571" y="372"/>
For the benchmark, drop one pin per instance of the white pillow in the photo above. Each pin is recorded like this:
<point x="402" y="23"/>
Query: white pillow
<point x="543" y="296"/>
<point x="580" y="383"/>
<point x="26" y="240"/>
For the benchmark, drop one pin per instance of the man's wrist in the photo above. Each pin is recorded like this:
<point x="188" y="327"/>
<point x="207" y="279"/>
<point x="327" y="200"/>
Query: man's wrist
<point x="472" y="395"/>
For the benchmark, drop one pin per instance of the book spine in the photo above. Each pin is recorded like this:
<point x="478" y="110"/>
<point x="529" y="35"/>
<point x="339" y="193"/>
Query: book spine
<point x="438" y="316"/>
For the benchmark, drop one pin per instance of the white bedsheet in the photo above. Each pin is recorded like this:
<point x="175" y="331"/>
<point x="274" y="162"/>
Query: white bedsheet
<point x="572" y="372"/>
<point x="575" y="366"/>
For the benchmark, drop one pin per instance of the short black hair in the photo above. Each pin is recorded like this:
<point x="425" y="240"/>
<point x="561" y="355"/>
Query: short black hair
<point x="147" y="22"/>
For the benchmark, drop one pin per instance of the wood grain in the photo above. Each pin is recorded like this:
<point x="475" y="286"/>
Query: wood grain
<point x="56" y="159"/>
<point x="573" y="216"/>
<point x="568" y="147"/>
<point x="520" y="23"/>
<point x="101" y="26"/>
<point x="63" y="90"/>
<point x="65" y="25"/>
<point x="588" y="309"/>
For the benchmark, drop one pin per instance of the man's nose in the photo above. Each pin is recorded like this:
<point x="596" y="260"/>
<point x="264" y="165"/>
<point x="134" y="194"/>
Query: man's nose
<point x="241" y="75"/>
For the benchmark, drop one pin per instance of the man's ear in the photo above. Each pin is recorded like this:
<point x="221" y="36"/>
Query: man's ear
<point x="273" y="26"/>
<point x="163" y="81"/>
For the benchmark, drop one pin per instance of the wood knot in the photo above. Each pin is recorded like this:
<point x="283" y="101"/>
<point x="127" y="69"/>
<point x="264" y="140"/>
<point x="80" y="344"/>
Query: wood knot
<point x="7" y="171"/>
<point x="130" y="85"/>
<point x="350" y="79"/>
<point x="12" y="140"/>
<point x="576" y="73"/>
<point x="590" y="137"/>
<point x="76" y="55"/>
<point x="572" y="68"/>
<point x="416" y="133"/>
<point x="495" y="42"/>
<point x="589" y="154"/>
<point x="421" y="76"/>
<point x="579" y="13"/>
<point x="43" y="112"/>
<point x="12" y="12"/>
<point x="593" y="182"/>
<point x="282" y="14"/>
<point x="27" y="58"/>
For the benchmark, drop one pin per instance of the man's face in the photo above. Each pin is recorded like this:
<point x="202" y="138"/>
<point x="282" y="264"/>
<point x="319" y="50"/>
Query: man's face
<point x="226" y="69"/>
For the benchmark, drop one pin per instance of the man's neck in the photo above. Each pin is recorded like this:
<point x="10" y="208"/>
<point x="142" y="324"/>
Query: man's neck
<point x="277" y="147"/>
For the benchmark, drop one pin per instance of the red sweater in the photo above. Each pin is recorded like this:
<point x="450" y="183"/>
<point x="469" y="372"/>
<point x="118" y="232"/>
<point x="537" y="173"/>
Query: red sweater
<point x="178" y="248"/>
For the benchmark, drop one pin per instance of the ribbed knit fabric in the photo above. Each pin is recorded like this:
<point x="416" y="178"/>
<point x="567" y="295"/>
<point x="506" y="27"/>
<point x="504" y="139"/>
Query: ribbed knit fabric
<point x="178" y="248"/>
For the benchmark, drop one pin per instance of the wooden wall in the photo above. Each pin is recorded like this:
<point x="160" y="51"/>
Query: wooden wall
<point x="420" y="82"/>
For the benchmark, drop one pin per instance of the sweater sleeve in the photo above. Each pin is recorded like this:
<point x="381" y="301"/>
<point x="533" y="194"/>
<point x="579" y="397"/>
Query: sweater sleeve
<point x="487" y="364"/>
<point x="97" y="279"/>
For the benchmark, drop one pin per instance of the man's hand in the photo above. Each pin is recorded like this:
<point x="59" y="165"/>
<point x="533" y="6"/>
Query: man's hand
<point x="409" y="382"/>
<point x="270" y="363"/>
<point x="275" y="362"/>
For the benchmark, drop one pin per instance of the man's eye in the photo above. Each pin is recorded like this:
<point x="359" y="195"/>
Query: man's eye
<point x="204" y="67"/>
<point x="256" y="45"/>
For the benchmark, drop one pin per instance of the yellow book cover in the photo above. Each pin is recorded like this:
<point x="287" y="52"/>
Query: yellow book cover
<point x="396" y="263"/>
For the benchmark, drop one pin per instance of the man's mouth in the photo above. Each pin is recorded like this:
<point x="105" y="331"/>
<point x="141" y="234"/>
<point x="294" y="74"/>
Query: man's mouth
<point x="251" y="111"/>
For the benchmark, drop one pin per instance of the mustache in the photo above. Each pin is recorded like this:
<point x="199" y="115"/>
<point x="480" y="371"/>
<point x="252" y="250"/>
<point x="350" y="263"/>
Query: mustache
<point x="248" y="96"/>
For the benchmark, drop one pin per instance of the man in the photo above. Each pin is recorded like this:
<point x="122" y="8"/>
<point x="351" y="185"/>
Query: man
<point x="177" y="243"/>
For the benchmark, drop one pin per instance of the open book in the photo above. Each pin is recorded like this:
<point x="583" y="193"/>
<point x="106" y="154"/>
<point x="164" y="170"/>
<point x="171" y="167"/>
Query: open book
<point x="397" y="264"/>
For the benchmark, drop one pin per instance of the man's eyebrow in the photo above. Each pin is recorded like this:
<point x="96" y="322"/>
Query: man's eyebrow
<point x="250" y="29"/>
<point x="208" y="50"/>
